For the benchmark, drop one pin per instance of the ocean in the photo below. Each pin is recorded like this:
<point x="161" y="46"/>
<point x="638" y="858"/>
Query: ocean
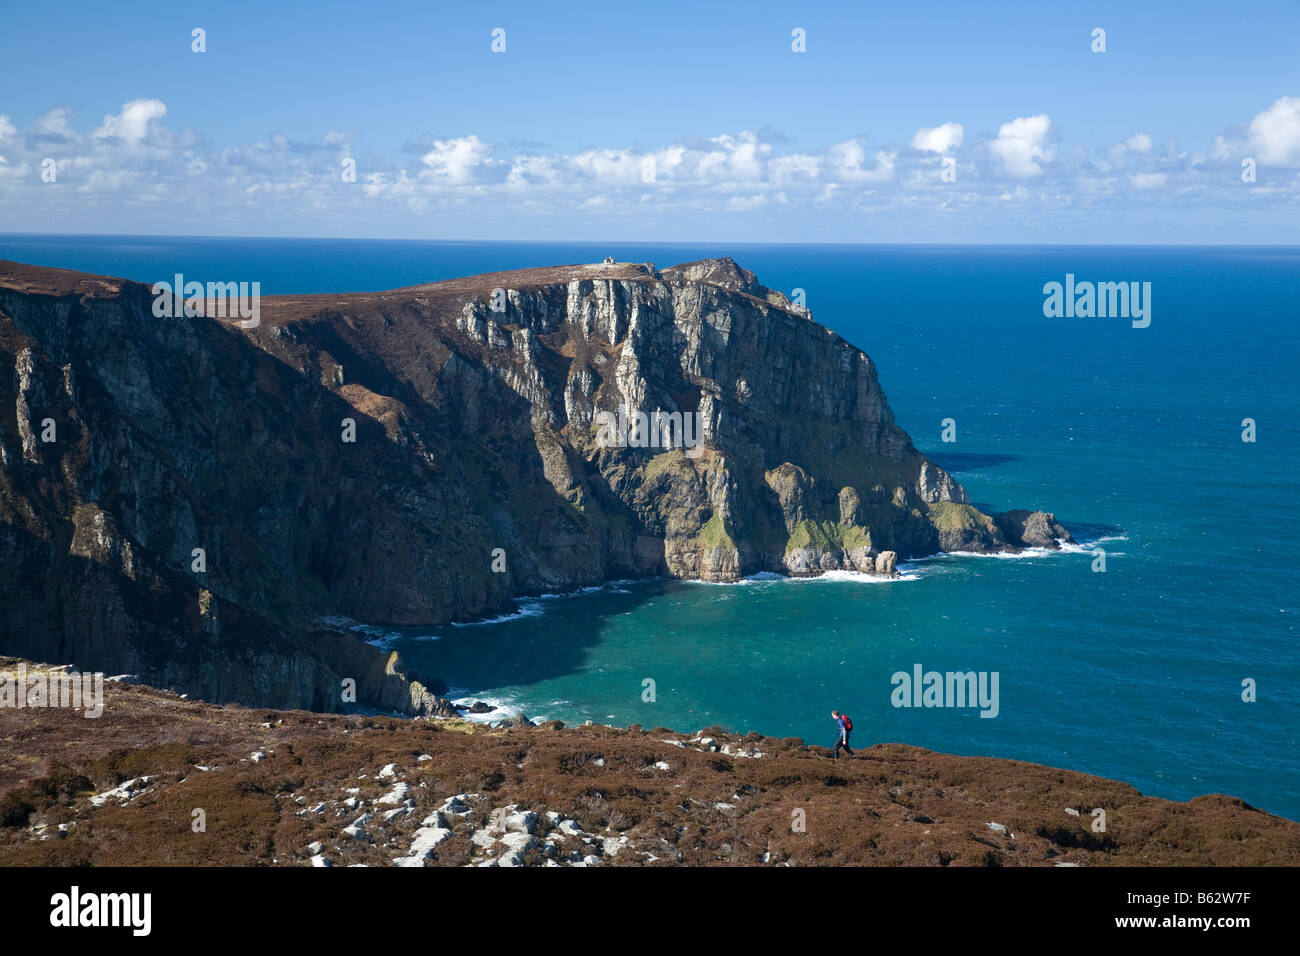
<point x="1131" y="436"/>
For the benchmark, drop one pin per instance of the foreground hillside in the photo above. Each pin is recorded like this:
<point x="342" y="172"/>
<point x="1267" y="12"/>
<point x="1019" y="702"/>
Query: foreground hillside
<point x="295" y="788"/>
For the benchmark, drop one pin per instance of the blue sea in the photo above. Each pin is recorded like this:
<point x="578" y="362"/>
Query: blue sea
<point x="1133" y="437"/>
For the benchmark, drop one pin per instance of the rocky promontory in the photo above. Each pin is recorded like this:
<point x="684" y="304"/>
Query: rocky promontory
<point x="191" y="500"/>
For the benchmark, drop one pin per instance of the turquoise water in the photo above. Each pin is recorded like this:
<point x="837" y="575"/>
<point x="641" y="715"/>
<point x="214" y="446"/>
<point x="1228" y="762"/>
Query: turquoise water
<point x="1131" y="436"/>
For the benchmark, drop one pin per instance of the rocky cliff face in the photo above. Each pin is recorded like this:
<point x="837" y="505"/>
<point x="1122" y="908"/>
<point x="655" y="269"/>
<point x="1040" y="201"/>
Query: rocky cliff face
<point x="185" y="499"/>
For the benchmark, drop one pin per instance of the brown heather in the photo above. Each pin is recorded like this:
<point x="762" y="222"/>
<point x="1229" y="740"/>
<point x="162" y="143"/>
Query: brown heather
<point x="897" y="805"/>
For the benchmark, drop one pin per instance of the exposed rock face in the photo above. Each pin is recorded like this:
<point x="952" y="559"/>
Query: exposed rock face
<point x="476" y="429"/>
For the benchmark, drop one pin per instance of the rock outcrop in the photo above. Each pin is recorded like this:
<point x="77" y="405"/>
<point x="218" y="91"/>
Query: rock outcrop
<point x="187" y="500"/>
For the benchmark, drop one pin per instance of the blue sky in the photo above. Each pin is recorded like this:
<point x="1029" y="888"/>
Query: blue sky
<point x="667" y="122"/>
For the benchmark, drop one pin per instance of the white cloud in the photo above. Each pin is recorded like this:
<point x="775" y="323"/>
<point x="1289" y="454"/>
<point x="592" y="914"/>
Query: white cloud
<point x="134" y="158"/>
<point x="1148" y="180"/>
<point x="54" y="125"/>
<point x="132" y="123"/>
<point x="844" y="163"/>
<point x="610" y="166"/>
<point x="794" y="168"/>
<point x="531" y="171"/>
<point x="738" y="159"/>
<point x="1274" y="134"/>
<point x="1022" y="144"/>
<point x="457" y="161"/>
<point x="938" y="139"/>
<point x="1137" y="143"/>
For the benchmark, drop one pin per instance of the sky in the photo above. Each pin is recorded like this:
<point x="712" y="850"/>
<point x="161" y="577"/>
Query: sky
<point x="936" y="122"/>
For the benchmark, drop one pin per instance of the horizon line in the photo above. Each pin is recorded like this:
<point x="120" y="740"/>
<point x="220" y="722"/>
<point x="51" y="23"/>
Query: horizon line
<point x="661" y="242"/>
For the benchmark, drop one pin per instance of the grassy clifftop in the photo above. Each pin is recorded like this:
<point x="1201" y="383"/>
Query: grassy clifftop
<point x="287" y="787"/>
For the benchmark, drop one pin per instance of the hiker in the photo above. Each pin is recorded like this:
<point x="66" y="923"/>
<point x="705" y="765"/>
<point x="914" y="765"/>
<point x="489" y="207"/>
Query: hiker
<point x="845" y="728"/>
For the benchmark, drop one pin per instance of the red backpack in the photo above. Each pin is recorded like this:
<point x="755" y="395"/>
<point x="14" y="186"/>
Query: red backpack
<point x="848" y="724"/>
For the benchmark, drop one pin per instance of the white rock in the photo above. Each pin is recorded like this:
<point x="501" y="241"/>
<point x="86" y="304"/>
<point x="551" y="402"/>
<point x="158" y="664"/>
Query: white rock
<point x="408" y="861"/>
<point x="456" y="806"/>
<point x="258" y="756"/>
<point x="1071" y="811"/>
<point x="516" y="844"/>
<point x="523" y="822"/>
<point x="389" y="770"/>
<point x="394" y="796"/>
<point x="356" y="833"/>
<point x="313" y="849"/>
<point x="592" y="860"/>
<point x="554" y="817"/>
<point x="351" y="803"/>
<point x="400" y="811"/>
<point x="519" y="841"/>
<point x="123" y="791"/>
<point x="435" y="819"/>
<point x="661" y="765"/>
<point x="483" y="838"/>
<point x="422" y="758"/>
<point x="426" y="838"/>
<point x="570" y="828"/>
<point x="724" y="806"/>
<point x="319" y="860"/>
<point x="610" y="846"/>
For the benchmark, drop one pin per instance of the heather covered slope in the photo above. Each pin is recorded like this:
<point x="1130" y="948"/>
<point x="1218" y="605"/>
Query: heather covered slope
<point x="477" y="472"/>
<point x="274" y="783"/>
